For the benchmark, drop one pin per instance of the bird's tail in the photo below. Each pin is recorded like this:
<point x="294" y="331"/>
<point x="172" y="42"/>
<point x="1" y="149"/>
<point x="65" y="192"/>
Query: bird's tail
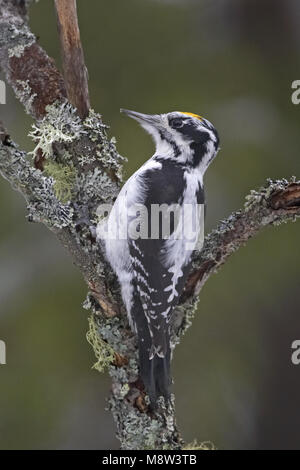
<point x="155" y="369"/>
<point x="154" y="355"/>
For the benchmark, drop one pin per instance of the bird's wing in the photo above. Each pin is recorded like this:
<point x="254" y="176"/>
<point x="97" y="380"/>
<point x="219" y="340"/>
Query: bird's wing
<point x="159" y="266"/>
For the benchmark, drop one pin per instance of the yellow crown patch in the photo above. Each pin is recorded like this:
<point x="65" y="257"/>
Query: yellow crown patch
<point x="193" y="115"/>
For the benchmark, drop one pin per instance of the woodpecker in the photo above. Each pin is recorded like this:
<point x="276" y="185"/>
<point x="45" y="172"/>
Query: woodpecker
<point x="152" y="270"/>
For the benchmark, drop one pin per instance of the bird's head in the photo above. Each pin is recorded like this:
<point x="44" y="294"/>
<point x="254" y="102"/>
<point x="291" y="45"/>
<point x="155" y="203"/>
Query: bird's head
<point x="186" y="137"/>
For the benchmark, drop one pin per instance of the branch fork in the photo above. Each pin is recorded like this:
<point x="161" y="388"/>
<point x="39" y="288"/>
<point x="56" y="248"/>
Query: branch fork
<point x="84" y="151"/>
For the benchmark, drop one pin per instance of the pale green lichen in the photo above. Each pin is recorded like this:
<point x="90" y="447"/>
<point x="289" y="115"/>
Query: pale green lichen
<point x="106" y="151"/>
<point x="14" y="32"/>
<point x="44" y="206"/>
<point x="61" y="124"/>
<point x="258" y="197"/>
<point x="24" y="94"/>
<point x="85" y="160"/>
<point x="103" y="351"/>
<point x="140" y="431"/>
<point x="110" y="332"/>
<point x="182" y="319"/>
<point x="254" y="198"/>
<point x="124" y="391"/>
<point x="18" y="50"/>
<point x="83" y="144"/>
<point x="67" y="157"/>
<point x="64" y="177"/>
<point x="95" y="186"/>
<point x="136" y="430"/>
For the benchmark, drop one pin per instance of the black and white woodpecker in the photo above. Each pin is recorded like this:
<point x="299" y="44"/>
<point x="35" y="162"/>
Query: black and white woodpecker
<point x="152" y="270"/>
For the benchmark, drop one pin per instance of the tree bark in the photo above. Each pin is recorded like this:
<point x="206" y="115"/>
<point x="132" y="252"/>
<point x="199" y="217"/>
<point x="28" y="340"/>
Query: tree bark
<point x="75" y="71"/>
<point x="82" y="169"/>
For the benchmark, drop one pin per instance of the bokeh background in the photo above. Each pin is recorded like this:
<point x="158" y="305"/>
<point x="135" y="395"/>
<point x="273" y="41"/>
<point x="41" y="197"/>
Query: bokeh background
<point x="232" y="61"/>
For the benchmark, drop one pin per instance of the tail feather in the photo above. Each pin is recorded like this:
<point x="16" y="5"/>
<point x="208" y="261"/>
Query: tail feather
<point x="154" y="356"/>
<point x="155" y="373"/>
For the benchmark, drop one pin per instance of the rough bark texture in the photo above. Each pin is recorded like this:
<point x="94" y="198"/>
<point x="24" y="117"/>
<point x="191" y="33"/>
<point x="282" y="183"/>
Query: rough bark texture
<point x="75" y="72"/>
<point x="26" y="65"/>
<point x="82" y="169"/>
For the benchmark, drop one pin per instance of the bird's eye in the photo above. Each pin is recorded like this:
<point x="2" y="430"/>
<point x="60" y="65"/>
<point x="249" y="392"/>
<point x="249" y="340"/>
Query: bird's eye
<point x="176" y="123"/>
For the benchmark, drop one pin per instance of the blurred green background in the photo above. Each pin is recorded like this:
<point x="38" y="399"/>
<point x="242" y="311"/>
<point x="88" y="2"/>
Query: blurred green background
<point x="232" y="61"/>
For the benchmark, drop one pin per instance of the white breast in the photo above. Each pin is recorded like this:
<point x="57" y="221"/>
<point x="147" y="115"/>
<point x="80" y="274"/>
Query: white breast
<point x="179" y="247"/>
<point x="113" y="231"/>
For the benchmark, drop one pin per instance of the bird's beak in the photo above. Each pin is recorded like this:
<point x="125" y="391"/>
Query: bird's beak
<point x="143" y="119"/>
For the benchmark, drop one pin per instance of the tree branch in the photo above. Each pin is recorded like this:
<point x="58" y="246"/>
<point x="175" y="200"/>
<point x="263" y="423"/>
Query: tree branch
<point x="31" y="73"/>
<point x="275" y="203"/>
<point x="15" y="168"/>
<point x="82" y="169"/>
<point x="75" y="72"/>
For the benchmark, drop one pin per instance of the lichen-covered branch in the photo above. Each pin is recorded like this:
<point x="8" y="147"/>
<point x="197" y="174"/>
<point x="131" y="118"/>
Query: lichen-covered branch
<point x="15" y="168"/>
<point x="32" y="74"/>
<point x="77" y="167"/>
<point x="275" y="203"/>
